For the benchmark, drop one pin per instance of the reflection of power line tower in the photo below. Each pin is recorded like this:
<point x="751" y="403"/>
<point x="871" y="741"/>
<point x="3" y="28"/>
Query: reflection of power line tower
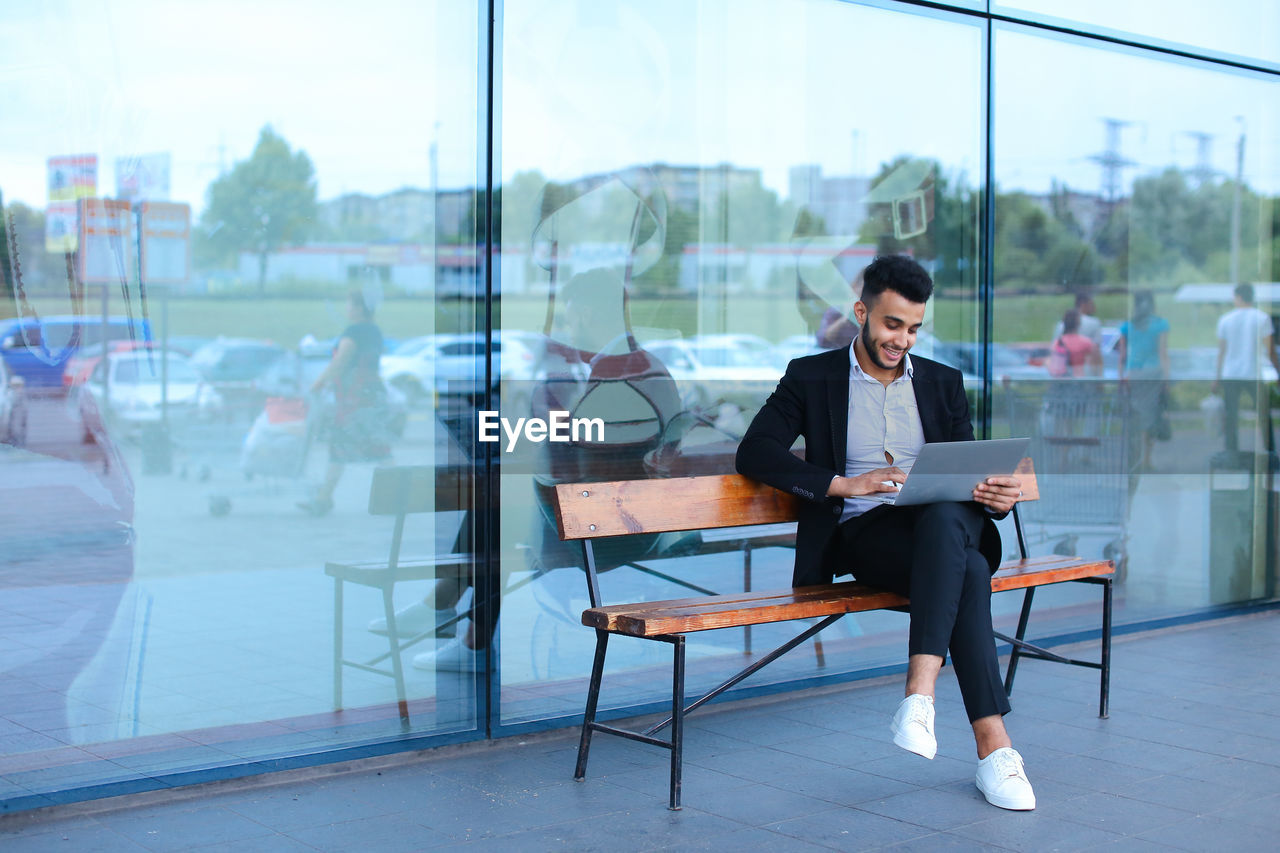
<point x="1110" y="159"/>
<point x="1202" y="173"/>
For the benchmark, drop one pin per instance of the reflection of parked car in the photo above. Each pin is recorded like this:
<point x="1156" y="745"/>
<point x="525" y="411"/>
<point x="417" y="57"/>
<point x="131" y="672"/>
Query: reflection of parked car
<point x="233" y="366"/>
<point x="796" y="346"/>
<point x="134" y="393"/>
<point x="1202" y="363"/>
<point x="453" y="366"/>
<point x="714" y="370"/>
<point x="83" y="363"/>
<point x="38" y="349"/>
<point x="13" y="408"/>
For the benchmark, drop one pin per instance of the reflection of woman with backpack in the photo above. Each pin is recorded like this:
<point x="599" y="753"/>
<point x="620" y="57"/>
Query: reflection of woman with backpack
<point x="1072" y="353"/>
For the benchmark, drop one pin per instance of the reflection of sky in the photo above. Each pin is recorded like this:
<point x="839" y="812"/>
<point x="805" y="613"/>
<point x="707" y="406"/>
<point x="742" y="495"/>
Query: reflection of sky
<point x="1247" y="28"/>
<point x="588" y="87"/>
<point x="1049" y="123"/>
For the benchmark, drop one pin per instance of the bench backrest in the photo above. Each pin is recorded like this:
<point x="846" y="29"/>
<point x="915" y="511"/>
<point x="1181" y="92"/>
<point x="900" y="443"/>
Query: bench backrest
<point x="620" y="508"/>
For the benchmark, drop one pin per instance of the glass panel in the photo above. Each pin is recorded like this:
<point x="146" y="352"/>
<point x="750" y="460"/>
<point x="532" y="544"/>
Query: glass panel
<point x="249" y="217"/>
<point x="1125" y="215"/>
<point x="1239" y="28"/>
<point x="677" y="224"/>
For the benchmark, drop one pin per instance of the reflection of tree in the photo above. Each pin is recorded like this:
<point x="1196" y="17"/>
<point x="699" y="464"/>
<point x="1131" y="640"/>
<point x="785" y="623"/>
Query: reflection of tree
<point x="263" y="203"/>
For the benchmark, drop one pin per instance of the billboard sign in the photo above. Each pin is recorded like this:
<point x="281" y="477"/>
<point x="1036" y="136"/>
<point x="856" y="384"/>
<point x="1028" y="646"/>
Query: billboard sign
<point x="144" y="177"/>
<point x="106" y="241"/>
<point x="70" y="178"/>
<point x="165" y="229"/>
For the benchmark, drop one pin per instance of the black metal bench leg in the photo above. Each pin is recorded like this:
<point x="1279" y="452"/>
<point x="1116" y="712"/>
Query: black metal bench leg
<point x="337" y="644"/>
<point x="677" y="721"/>
<point x="1021" y="635"/>
<point x="593" y="697"/>
<point x="1105" y="687"/>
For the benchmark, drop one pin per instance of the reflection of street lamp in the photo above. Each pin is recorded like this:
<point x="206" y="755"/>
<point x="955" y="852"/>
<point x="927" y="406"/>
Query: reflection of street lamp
<point x="1235" y="206"/>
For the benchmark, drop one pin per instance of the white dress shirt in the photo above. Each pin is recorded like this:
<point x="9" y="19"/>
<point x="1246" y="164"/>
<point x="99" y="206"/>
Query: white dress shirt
<point x="882" y="419"/>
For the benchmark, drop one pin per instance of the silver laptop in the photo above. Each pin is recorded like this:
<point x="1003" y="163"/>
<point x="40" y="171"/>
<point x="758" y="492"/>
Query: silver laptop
<point x="948" y="470"/>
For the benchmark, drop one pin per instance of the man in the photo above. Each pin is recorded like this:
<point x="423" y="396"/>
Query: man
<point x="864" y="412"/>
<point x="1090" y="326"/>
<point x="1244" y="340"/>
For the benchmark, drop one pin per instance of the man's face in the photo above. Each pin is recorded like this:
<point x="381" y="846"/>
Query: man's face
<point x="889" y="328"/>
<point x="1087" y="307"/>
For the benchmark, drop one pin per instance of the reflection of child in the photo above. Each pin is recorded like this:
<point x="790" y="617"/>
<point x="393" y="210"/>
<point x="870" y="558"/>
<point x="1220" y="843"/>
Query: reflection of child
<point x="837" y="327"/>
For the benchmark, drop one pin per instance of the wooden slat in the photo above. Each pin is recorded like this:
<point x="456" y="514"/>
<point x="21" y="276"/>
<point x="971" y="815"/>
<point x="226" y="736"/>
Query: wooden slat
<point x="738" y="609"/>
<point x="1038" y="571"/>
<point x="683" y="615"/>
<point x="619" y="508"/>
<point x="589" y="510"/>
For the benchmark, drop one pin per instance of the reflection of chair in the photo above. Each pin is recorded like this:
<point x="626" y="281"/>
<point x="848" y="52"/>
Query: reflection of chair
<point x="398" y="492"/>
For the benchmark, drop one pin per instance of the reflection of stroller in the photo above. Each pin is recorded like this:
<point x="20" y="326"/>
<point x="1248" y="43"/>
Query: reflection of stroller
<point x="276" y="445"/>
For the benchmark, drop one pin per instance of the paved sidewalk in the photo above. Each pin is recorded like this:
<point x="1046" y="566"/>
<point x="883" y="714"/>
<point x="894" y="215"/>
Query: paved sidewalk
<point x="1190" y="760"/>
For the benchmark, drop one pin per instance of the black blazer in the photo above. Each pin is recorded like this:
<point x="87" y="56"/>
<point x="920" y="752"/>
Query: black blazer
<point x="812" y="400"/>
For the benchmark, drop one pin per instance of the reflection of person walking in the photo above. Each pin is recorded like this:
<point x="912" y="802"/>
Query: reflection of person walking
<point x="358" y="432"/>
<point x="1244" y="340"/>
<point x="1144" y="370"/>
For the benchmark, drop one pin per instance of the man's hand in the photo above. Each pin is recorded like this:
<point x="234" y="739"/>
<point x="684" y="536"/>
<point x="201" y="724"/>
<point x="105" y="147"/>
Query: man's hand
<point x="870" y="483"/>
<point x="998" y="493"/>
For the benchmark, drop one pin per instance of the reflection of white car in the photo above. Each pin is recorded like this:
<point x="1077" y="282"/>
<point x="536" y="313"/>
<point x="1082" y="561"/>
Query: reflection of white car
<point x="1202" y="363"/>
<point x="453" y="365"/>
<point x="714" y="369"/>
<point x="134" y="394"/>
<point x="796" y="346"/>
<point x="13" y="407"/>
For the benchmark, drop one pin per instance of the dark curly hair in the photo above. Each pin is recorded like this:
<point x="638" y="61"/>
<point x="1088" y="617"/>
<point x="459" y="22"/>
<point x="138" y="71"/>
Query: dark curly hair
<point x="898" y="273"/>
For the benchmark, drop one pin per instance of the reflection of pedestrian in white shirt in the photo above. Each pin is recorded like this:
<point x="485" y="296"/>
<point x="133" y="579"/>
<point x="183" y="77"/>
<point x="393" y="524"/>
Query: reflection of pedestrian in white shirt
<point x="1090" y="326"/>
<point x="1244" y="340"/>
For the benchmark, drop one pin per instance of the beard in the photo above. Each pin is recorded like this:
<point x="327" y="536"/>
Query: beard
<point x="872" y="348"/>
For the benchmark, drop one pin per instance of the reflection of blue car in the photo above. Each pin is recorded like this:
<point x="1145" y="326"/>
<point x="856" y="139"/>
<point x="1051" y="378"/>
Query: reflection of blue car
<point x="37" y="350"/>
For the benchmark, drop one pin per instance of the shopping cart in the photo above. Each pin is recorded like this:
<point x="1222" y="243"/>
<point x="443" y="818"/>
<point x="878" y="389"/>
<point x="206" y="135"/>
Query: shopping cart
<point x="1079" y="441"/>
<point x="275" y="447"/>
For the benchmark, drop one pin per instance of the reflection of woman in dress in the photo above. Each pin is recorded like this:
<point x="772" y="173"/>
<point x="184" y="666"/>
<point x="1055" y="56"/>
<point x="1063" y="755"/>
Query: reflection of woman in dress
<point x="1144" y="368"/>
<point x="357" y="434"/>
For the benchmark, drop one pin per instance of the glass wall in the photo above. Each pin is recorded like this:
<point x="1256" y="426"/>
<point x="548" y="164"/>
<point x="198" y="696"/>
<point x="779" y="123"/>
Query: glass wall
<point x="1125" y="216"/>
<point x="1241" y="30"/>
<point x="272" y="228"/>
<point x="254" y="337"/>
<point x="676" y="226"/>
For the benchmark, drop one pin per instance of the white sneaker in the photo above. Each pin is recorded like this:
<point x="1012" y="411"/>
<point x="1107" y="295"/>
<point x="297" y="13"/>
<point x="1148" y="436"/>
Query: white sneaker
<point x="415" y="619"/>
<point x="451" y="656"/>
<point x="1003" y="782"/>
<point x="912" y="725"/>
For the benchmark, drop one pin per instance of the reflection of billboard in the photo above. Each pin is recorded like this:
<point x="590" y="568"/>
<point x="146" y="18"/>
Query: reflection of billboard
<point x="143" y="178"/>
<point x="73" y="177"/>
<point x="106" y="241"/>
<point x="60" y="227"/>
<point x="166" y="242"/>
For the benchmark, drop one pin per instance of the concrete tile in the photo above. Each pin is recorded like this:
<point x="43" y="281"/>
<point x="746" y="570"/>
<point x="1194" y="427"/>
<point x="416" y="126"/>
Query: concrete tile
<point x="86" y="838"/>
<point x="848" y="829"/>
<point x="1032" y="831"/>
<point x="1112" y="813"/>
<point x="756" y="805"/>
<point x="750" y="839"/>
<point x="1210" y="832"/>
<point x="164" y="831"/>
<point x="385" y="834"/>
<point x="932" y="808"/>
<point x="1190" y="795"/>
<point x="940" y="841"/>
<point x="642" y="829"/>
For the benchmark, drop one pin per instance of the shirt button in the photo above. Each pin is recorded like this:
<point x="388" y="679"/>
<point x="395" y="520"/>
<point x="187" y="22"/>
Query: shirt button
<point x="835" y="510"/>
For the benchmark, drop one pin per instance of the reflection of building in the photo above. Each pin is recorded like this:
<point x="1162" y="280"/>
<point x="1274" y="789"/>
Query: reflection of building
<point x="405" y="214"/>
<point x="837" y="200"/>
<point x="687" y="187"/>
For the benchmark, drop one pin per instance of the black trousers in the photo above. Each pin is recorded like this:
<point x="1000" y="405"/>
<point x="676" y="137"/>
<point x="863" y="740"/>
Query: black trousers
<point x="930" y="553"/>
<point x="1260" y="393"/>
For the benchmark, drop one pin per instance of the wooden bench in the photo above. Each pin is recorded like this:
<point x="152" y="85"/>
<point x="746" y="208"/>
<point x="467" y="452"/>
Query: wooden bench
<point x="589" y="511"/>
